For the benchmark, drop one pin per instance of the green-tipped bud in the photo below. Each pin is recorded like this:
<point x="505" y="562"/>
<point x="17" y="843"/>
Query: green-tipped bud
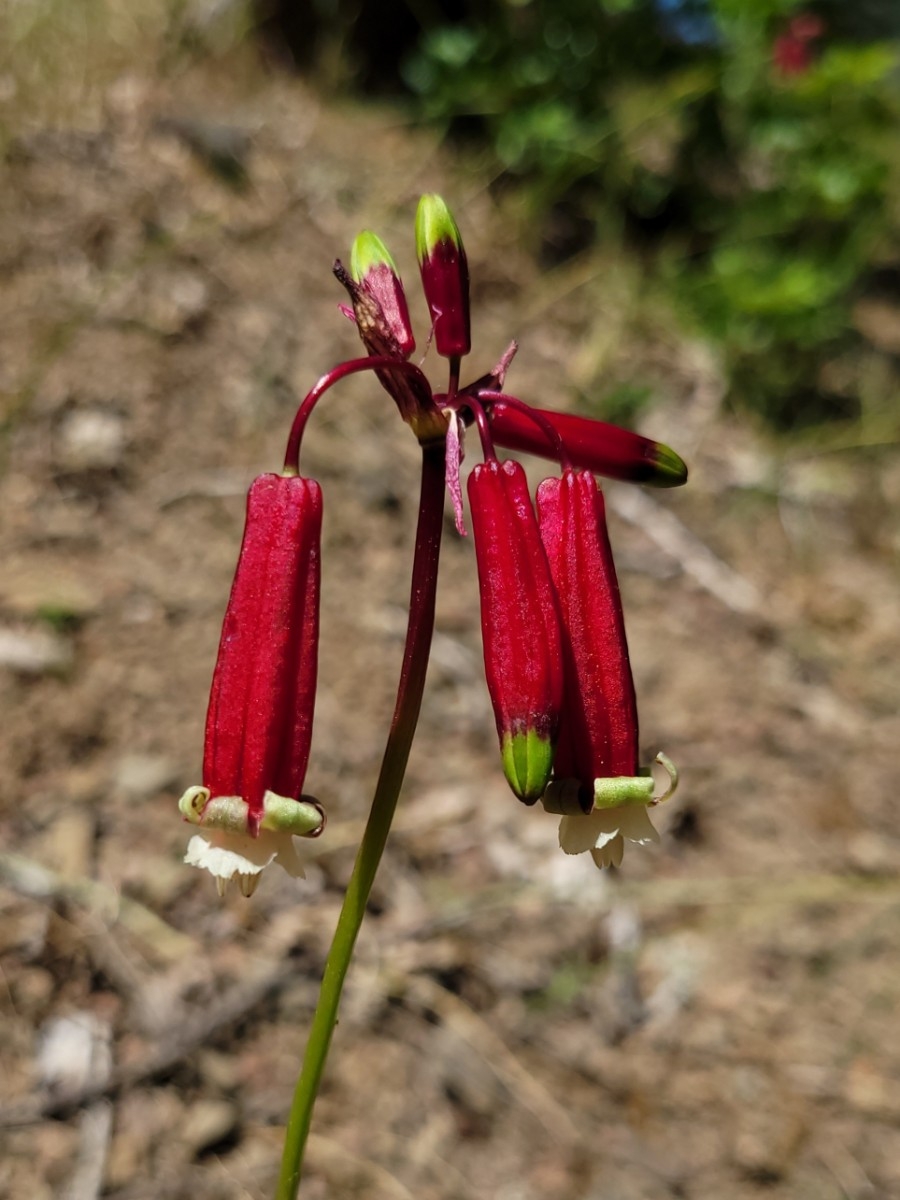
<point x="597" y="447"/>
<point x="372" y="267"/>
<point x="445" y="276"/>
<point x="523" y="659"/>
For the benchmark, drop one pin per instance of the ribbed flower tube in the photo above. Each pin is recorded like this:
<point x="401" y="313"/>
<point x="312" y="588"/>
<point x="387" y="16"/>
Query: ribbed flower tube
<point x="259" y="723"/>
<point x="597" y="785"/>
<point x="594" y="445"/>
<point x="259" y="720"/>
<point x="519" y="622"/>
<point x="599" y="726"/>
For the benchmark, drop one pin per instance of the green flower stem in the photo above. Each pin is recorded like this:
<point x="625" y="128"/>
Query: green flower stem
<point x="384" y="803"/>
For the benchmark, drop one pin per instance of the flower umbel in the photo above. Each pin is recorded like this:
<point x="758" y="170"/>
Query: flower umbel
<point x="556" y="659"/>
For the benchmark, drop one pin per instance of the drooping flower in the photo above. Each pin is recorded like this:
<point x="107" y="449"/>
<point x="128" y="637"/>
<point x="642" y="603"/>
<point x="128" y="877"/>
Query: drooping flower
<point x="259" y="721"/>
<point x="519" y="622"/>
<point x="598" y="785"/>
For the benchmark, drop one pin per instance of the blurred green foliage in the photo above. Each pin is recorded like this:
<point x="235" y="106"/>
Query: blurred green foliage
<point x="754" y="173"/>
<point x="754" y="158"/>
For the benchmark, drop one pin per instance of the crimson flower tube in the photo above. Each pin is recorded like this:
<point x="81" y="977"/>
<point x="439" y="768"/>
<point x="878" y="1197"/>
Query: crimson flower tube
<point x="594" y="445"/>
<point x="259" y="721"/>
<point x="519" y="622"/>
<point x="597" y="785"/>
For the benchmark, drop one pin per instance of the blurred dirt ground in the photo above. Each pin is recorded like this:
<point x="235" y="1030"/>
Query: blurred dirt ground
<point x="718" y="1019"/>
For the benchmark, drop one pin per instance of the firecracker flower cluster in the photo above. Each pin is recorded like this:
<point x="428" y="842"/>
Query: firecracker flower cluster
<point x="555" y="653"/>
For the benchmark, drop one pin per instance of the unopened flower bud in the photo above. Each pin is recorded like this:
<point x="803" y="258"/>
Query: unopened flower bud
<point x="597" y="447"/>
<point x="445" y="276"/>
<point x="520" y="625"/>
<point x="372" y="267"/>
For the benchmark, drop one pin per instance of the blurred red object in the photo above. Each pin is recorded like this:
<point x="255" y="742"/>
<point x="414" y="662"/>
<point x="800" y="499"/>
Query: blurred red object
<point x="793" y="50"/>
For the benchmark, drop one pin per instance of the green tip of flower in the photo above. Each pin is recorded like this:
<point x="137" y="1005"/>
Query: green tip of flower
<point x="434" y="225"/>
<point x="369" y="252"/>
<point x="527" y="763"/>
<point x="669" y="469"/>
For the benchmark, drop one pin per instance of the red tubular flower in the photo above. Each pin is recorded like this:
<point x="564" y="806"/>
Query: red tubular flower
<point x="597" y="782"/>
<point x="599" y="734"/>
<point x="520" y="624"/>
<point x="259" y="722"/>
<point x="445" y="276"/>
<point x="597" y="447"/>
